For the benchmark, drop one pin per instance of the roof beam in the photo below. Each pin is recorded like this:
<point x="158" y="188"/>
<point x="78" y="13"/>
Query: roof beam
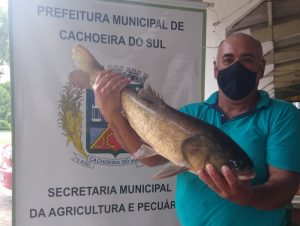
<point x="280" y="57"/>
<point x="279" y="32"/>
<point x="270" y="13"/>
<point x="288" y="67"/>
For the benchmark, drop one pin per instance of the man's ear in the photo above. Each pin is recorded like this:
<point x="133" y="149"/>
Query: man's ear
<point x="215" y="69"/>
<point x="262" y="70"/>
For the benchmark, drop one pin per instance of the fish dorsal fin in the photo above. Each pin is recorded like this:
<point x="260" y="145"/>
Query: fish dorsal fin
<point x="149" y="94"/>
<point x="144" y="151"/>
<point x="169" y="170"/>
<point x="152" y="91"/>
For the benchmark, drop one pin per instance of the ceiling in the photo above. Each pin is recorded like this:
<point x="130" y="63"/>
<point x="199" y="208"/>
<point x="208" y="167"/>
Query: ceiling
<point x="277" y="23"/>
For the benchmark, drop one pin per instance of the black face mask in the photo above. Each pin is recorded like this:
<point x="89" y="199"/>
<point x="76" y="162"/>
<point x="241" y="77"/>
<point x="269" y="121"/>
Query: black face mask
<point x="236" y="81"/>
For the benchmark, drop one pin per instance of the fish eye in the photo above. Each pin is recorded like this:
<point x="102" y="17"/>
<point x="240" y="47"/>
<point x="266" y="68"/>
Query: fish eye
<point x="234" y="165"/>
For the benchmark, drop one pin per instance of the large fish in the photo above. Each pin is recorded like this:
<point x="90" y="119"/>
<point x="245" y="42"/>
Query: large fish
<point x="188" y="143"/>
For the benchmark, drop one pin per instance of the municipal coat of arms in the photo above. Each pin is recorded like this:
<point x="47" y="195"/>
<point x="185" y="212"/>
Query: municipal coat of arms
<point x="75" y="94"/>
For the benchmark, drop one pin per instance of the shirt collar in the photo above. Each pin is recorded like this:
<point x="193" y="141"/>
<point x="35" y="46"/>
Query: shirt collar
<point x="264" y="99"/>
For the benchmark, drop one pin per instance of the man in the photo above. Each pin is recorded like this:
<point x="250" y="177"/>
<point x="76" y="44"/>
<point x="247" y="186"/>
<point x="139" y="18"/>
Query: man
<point x="266" y="129"/>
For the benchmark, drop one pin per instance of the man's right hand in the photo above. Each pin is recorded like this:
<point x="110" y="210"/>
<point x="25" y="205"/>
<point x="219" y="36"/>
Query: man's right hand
<point x="107" y="90"/>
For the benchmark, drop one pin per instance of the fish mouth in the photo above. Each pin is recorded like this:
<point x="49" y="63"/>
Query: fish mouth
<point x="246" y="175"/>
<point x="242" y="169"/>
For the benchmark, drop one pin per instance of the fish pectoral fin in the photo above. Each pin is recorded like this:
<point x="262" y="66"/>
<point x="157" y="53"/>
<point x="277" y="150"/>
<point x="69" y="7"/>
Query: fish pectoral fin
<point x="144" y="151"/>
<point x="169" y="170"/>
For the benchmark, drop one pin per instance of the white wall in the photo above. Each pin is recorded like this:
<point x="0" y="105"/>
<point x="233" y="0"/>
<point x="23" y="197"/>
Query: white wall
<point x="219" y="16"/>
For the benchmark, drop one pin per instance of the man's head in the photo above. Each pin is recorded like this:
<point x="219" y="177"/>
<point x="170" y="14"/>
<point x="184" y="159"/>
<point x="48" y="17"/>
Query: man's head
<point x="245" y="50"/>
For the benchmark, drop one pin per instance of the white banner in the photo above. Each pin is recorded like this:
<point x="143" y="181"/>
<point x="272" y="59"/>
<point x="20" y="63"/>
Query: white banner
<point x="69" y="170"/>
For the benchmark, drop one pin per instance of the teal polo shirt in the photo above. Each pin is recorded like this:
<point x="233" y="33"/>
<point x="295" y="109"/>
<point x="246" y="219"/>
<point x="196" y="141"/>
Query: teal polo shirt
<point x="270" y="134"/>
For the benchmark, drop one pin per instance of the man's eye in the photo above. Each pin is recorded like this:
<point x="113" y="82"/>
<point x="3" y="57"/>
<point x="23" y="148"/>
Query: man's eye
<point x="228" y="60"/>
<point x="247" y="60"/>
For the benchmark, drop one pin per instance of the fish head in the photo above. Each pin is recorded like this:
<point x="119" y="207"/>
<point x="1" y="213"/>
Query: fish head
<point x="200" y="150"/>
<point x="243" y="168"/>
<point x="236" y="159"/>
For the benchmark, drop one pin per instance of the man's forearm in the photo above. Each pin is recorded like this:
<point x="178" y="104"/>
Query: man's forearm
<point x="275" y="193"/>
<point x="125" y="135"/>
<point x="129" y="139"/>
<point x="267" y="198"/>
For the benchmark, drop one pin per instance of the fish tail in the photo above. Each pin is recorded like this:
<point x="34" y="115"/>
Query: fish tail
<point x="85" y="61"/>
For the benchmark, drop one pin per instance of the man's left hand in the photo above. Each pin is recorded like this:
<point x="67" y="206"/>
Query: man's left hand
<point x="227" y="185"/>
